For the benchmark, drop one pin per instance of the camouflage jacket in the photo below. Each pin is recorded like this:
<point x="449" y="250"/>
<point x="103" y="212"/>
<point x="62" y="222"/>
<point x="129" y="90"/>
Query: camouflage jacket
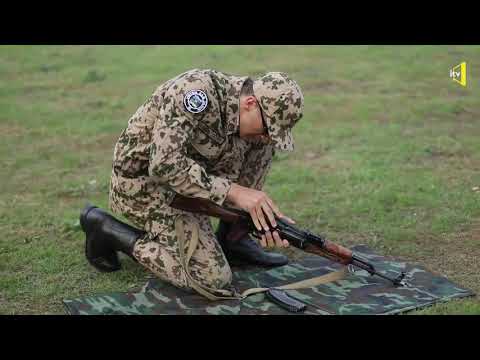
<point x="169" y="149"/>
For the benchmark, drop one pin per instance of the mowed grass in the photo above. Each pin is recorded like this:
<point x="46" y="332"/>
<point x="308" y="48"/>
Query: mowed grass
<point x="388" y="154"/>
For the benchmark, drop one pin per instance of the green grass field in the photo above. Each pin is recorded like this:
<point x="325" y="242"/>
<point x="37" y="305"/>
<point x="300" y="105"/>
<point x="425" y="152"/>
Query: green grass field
<point x="388" y="154"/>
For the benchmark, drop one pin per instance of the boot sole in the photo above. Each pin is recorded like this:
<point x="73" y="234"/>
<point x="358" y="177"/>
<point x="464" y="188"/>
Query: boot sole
<point x="106" y="263"/>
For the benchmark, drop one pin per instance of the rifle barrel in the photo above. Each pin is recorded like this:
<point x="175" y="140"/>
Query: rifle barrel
<point x="363" y="264"/>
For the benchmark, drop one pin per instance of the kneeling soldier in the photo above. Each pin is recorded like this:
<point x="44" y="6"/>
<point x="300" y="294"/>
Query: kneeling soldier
<point x="203" y="134"/>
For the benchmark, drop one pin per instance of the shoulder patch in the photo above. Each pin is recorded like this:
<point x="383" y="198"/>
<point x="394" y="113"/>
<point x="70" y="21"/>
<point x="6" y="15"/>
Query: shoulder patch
<point x="195" y="101"/>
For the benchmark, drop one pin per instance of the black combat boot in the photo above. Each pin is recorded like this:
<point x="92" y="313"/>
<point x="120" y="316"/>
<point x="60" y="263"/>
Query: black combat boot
<point x="240" y="248"/>
<point x="106" y="235"/>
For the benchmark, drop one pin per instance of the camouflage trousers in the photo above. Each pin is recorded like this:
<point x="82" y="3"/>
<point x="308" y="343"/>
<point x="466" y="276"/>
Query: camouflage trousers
<point x="158" y="250"/>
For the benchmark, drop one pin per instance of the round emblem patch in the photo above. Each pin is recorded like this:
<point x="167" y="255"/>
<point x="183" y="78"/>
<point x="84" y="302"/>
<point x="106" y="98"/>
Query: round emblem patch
<point x="195" y="101"/>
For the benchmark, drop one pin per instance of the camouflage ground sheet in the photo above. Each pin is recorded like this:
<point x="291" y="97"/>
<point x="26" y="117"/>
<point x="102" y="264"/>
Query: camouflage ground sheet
<point x="358" y="293"/>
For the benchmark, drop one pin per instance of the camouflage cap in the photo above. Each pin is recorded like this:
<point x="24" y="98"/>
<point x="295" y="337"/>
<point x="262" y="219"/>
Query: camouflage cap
<point x="281" y="101"/>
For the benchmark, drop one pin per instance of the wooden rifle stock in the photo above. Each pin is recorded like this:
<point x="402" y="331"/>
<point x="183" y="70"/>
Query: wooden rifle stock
<point x="207" y="207"/>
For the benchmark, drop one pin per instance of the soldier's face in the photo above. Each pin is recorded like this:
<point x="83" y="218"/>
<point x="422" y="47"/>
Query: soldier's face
<point x="252" y="124"/>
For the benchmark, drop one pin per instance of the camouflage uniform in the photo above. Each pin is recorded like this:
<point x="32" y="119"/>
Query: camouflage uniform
<point x="166" y="149"/>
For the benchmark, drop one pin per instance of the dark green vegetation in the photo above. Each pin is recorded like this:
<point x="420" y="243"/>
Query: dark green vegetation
<point x="388" y="154"/>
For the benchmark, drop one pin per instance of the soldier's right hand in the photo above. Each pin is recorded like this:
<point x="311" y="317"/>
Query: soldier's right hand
<point x="257" y="204"/>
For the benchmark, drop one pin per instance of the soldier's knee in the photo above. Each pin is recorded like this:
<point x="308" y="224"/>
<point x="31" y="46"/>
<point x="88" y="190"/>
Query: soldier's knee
<point x="225" y="278"/>
<point x="219" y="277"/>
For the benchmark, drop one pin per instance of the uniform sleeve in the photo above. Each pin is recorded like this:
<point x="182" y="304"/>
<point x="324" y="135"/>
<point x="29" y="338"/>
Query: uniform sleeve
<point x="168" y="160"/>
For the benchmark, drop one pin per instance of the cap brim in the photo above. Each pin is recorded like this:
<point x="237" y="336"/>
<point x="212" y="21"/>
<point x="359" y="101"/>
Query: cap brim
<point x="282" y="138"/>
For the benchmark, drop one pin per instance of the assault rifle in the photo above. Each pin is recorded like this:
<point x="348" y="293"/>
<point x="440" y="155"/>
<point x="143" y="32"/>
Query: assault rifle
<point x="302" y="239"/>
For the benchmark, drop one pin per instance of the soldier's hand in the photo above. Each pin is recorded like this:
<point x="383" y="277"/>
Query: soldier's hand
<point x="260" y="207"/>
<point x="272" y="239"/>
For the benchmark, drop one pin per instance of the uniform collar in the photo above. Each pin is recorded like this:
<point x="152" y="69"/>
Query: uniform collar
<point x="233" y="103"/>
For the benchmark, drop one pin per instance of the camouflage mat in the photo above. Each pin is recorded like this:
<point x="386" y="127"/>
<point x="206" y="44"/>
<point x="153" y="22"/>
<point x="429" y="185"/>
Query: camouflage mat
<point x="359" y="293"/>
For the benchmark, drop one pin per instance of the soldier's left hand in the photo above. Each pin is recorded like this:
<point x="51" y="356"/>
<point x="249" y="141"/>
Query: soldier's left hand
<point x="272" y="239"/>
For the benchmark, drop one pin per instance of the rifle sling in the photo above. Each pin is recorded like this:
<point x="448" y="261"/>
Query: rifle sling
<point x="224" y="294"/>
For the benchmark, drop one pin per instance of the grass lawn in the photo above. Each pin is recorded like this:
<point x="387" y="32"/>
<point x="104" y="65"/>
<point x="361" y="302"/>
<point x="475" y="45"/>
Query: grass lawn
<point x="388" y="154"/>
